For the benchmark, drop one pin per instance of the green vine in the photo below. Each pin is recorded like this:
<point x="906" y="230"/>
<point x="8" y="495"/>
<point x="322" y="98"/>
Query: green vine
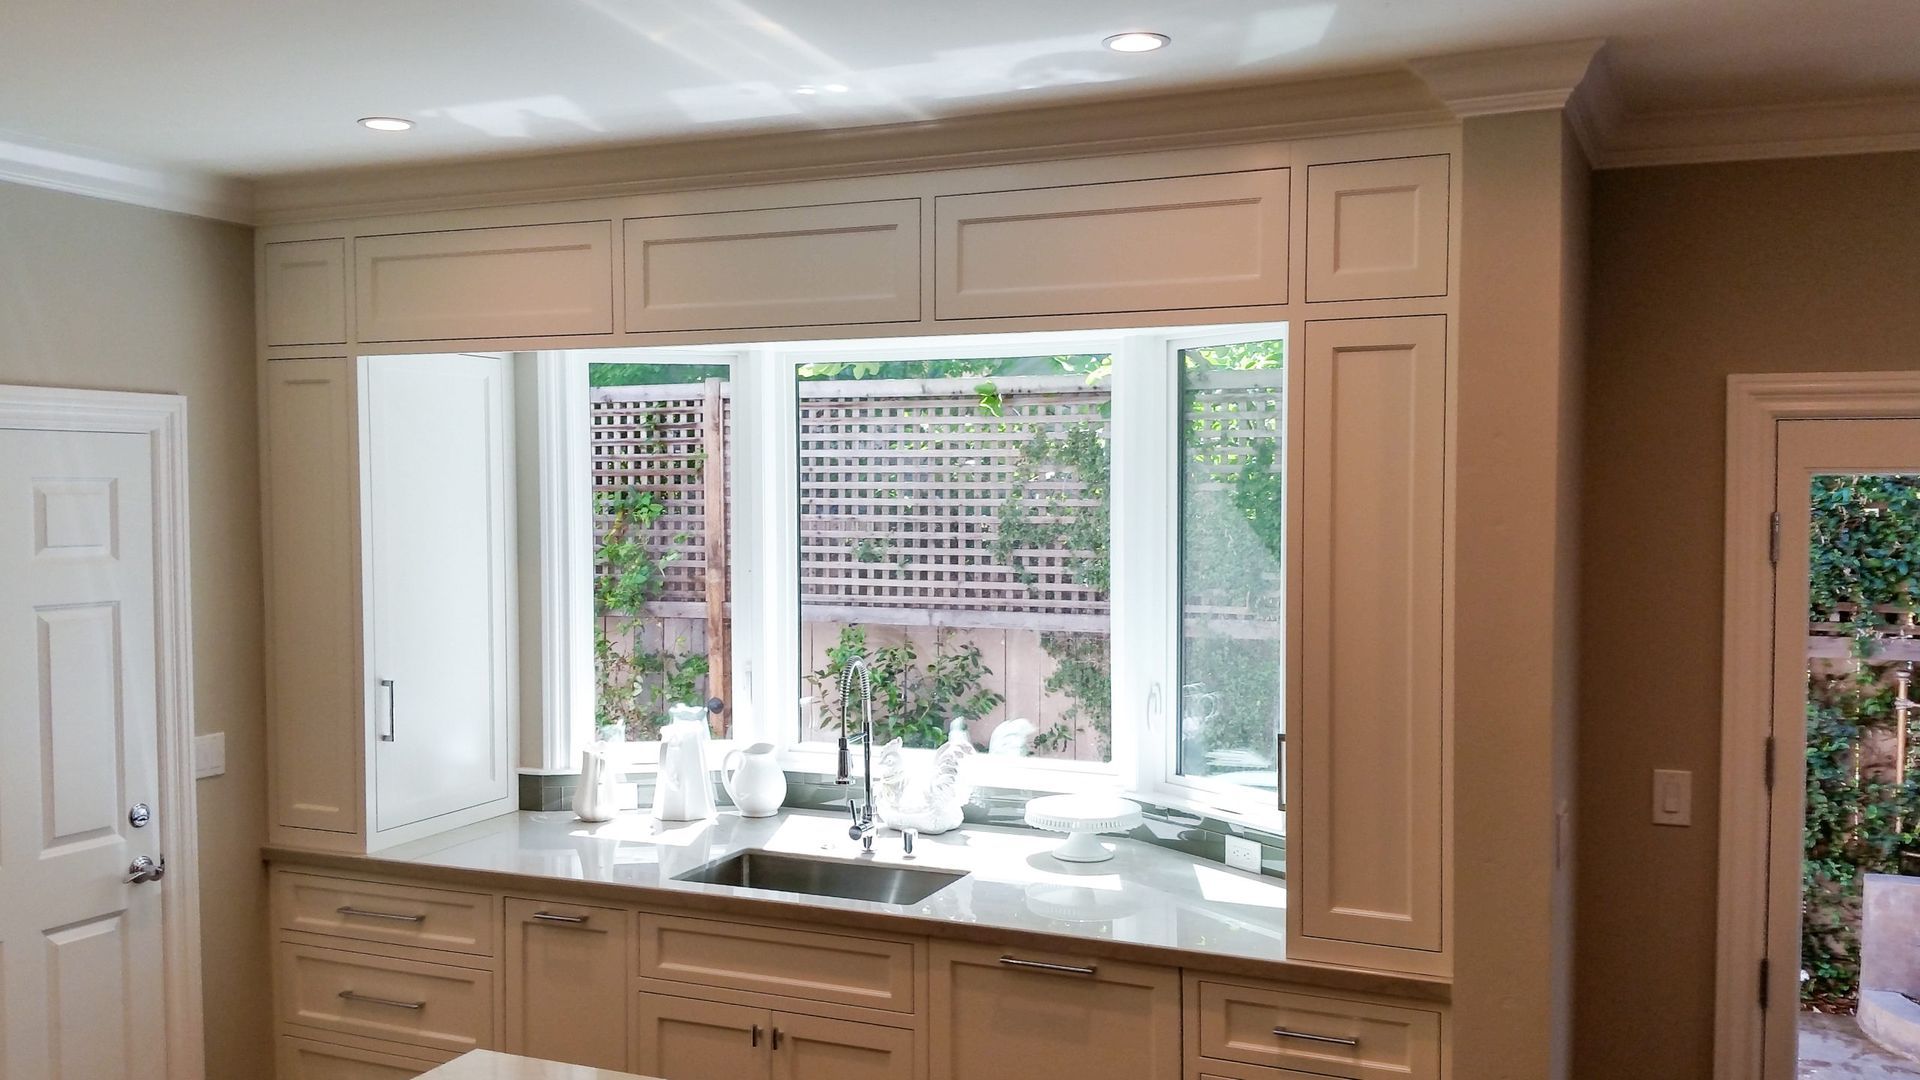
<point x="911" y="702"/>
<point x="633" y="686"/>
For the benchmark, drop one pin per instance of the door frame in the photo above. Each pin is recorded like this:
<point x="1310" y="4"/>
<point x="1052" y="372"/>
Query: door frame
<point x="162" y="418"/>
<point x="1756" y="404"/>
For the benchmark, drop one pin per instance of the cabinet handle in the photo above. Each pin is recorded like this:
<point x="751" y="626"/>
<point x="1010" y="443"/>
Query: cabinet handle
<point x="393" y="717"/>
<point x="365" y="999"/>
<point x="1307" y="1036"/>
<point x="755" y="1037"/>
<point x="570" y="920"/>
<point x="1057" y="969"/>
<point x="364" y="914"/>
<point x="776" y="1038"/>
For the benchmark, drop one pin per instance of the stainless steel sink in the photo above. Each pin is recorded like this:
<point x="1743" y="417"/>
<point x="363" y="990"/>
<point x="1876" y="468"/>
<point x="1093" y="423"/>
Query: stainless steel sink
<point x="780" y="872"/>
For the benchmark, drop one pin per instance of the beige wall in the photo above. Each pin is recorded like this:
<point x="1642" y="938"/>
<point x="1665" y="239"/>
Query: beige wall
<point x="100" y="295"/>
<point x="1516" y="510"/>
<point x="1699" y="271"/>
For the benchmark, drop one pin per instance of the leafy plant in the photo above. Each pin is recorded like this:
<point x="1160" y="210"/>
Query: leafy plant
<point x="911" y="701"/>
<point x="633" y="686"/>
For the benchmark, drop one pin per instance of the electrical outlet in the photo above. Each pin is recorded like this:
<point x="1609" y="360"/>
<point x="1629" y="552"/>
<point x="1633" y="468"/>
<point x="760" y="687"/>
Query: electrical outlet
<point x="209" y="755"/>
<point x="1243" y="854"/>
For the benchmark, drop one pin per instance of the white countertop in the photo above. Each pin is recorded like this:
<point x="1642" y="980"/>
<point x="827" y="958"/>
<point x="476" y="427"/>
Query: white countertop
<point x="487" y="1065"/>
<point x="1145" y="895"/>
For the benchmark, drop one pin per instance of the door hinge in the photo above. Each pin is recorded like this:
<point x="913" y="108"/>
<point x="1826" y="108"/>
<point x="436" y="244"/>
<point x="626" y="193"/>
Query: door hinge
<point x="1768" y="766"/>
<point x="1763" y="983"/>
<point x="1773" y="539"/>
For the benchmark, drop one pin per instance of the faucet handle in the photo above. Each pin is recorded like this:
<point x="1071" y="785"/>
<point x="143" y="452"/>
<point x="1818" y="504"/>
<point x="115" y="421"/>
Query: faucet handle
<point x="907" y="836"/>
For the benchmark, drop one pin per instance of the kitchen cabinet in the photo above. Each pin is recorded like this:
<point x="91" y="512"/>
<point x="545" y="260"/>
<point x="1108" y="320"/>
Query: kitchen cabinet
<point x="1283" y="1028"/>
<point x="688" y="1039"/>
<point x="431" y="1005"/>
<point x="1366" y="788"/>
<point x="303" y="286"/>
<point x="1141" y="245"/>
<point x="391" y="652"/>
<point x="996" y="1014"/>
<point x="1377" y="230"/>
<point x="305" y="1059"/>
<point x="566" y="982"/>
<point x="512" y="281"/>
<point x="790" y="266"/>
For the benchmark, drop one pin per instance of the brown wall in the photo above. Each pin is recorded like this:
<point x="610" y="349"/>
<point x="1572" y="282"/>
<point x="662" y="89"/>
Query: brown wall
<point x="1698" y="272"/>
<point x="105" y="296"/>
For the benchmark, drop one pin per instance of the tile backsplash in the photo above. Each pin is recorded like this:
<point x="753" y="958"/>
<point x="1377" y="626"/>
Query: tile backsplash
<point x="1196" y="834"/>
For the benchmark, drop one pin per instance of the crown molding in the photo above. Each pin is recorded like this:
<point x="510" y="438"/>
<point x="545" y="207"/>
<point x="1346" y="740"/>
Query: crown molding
<point x="1821" y="129"/>
<point x="1212" y="117"/>
<point x="43" y="164"/>
<point x="1526" y="78"/>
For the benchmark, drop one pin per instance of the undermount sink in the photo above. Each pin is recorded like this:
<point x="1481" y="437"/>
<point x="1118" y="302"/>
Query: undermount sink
<point x="823" y="877"/>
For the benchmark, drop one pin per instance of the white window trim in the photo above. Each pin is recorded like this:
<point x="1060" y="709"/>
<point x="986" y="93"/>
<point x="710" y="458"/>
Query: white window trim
<point x="765" y="589"/>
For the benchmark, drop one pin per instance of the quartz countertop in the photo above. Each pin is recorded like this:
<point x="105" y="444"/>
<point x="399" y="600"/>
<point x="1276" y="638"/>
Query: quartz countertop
<point x="488" y="1065"/>
<point x="1147" y="903"/>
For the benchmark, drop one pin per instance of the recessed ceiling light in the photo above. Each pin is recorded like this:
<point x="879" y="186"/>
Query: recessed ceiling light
<point x="836" y="88"/>
<point x="805" y="91"/>
<point x="385" y="123"/>
<point x="1137" y="41"/>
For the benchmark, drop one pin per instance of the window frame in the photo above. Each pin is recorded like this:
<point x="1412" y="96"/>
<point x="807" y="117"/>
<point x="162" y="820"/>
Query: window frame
<point x="1144" y="600"/>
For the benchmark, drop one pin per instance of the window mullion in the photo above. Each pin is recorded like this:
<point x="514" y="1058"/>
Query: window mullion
<point x="1144" y="527"/>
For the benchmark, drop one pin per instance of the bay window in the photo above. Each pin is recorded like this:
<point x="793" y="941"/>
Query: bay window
<point x="1064" y="548"/>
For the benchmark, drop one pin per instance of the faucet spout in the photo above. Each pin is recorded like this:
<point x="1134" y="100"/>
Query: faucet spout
<point x="863" y="826"/>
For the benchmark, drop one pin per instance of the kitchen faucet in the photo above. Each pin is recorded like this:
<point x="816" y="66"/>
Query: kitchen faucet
<point x="863" y="826"/>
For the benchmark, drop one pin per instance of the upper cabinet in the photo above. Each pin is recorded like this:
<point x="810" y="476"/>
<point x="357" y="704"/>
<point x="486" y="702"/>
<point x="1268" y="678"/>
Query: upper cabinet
<point x="1139" y="245"/>
<point x="794" y="266"/>
<point x="304" y="292"/>
<point x="1377" y="230"/>
<point x="515" y="281"/>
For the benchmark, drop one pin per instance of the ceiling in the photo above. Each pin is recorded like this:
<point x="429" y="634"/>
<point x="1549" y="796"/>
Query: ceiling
<point x="264" y="88"/>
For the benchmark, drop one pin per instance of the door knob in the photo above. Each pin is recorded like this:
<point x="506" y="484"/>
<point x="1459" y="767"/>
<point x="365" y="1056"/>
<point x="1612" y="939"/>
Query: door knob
<point x="144" y="870"/>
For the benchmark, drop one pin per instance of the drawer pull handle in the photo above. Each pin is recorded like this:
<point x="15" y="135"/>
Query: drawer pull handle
<point x="570" y="920"/>
<point x="1307" y="1036"/>
<point x="1057" y="969"/>
<point x="755" y="1036"/>
<point x="365" y="999"/>
<point x="364" y="914"/>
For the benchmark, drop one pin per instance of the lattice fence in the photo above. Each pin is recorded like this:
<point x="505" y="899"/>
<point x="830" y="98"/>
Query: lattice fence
<point x="1233" y="424"/>
<point x="653" y="438"/>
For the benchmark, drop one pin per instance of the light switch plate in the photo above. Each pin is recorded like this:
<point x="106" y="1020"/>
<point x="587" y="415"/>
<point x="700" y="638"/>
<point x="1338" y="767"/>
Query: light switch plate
<point x="1672" y="797"/>
<point x="209" y="755"/>
<point x="1243" y="854"/>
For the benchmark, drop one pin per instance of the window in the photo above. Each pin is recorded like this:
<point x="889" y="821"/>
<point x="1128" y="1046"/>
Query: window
<point x="1073" y="542"/>
<point x="1232" y="461"/>
<point x="662" y="633"/>
<point x="953" y="528"/>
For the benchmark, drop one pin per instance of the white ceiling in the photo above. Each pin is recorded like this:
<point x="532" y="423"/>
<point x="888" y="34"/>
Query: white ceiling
<point x="258" y="88"/>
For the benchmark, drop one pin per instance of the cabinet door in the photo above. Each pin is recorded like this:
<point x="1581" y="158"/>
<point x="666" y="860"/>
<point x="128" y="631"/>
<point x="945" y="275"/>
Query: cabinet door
<point x="439" y="510"/>
<point x="1000" y="1015"/>
<point x="313" y="621"/>
<point x="815" y="1048"/>
<point x="683" y="1039"/>
<point x="304" y="292"/>
<point x="516" y="281"/>
<point x="566" y="976"/>
<point x="1366" y="854"/>
<point x="1377" y="229"/>
<point x="306" y="1059"/>
<point x="1139" y="245"/>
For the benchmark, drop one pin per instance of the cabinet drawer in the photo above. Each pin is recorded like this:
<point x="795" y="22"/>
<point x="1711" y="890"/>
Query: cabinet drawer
<point x="390" y="914"/>
<point x="1138" y="245"/>
<point x="876" y="973"/>
<point x="1320" y="1035"/>
<point x="797" y="266"/>
<point x="516" y="281"/>
<point x="380" y="997"/>
<point x="306" y="1059"/>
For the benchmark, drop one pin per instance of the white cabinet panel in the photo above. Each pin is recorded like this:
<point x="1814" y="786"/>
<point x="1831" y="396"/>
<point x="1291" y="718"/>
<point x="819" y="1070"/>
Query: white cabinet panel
<point x="313" y="625"/>
<point x="1377" y="229"/>
<point x="798" y="266"/>
<point x="516" y="281"/>
<point x="305" y="283"/>
<point x="439" y="527"/>
<point x="1139" y="245"/>
<point x="1367" y="802"/>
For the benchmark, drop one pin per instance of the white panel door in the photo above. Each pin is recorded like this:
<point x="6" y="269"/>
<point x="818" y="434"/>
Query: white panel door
<point x="82" y="991"/>
<point x="438" y="520"/>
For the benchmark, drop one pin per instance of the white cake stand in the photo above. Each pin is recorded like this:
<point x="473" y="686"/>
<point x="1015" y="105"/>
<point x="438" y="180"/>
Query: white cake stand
<point x="1083" y="818"/>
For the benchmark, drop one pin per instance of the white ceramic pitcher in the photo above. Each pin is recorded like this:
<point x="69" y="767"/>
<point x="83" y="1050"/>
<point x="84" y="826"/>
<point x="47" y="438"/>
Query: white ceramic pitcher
<point x="681" y="789"/>
<point x="753" y="780"/>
